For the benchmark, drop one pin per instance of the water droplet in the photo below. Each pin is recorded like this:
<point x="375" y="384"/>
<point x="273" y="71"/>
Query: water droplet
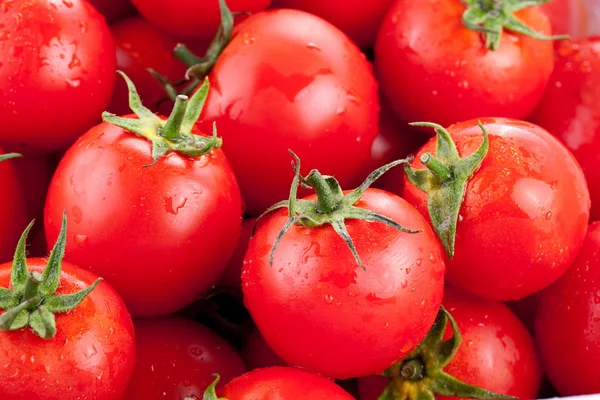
<point x="68" y="3"/>
<point x="432" y="257"/>
<point x="407" y="346"/>
<point x="75" y="62"/>
<point x="434" y="92"/>
<point x="196" y="351"/>
<point x="328" y="299"/>
<point x="404" y="283"/>
<point x="408" y="270"/>
<point x="81" y="240"/>
<point x="353" y="99"/>
<point x="341" y="110"/>
<point x="77" y="214"/>
<point x="313" y="46"/>
<point x="83" y="26"/>
<point x="548" y="215"/>
<point x="174" y="203"/>
<point x="74" y="83"/>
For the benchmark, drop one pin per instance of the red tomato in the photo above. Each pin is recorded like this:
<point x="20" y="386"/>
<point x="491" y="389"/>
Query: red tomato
<point x="192" y="19"/>
<point x="57" y="72"/>
<point x="568" y="323"/>
<point x="13" y="213"/>
<point x="113" y="10"/>
<point x="91" y="356"/>
<point x="497" y="352"/>
<point x="305" y="87"/>
<point x="258" y="354"/>
<point x="433" y="68"/>
<point x="232" y="277"/>
<point x="359" y="19"/>
<point x="140" y="45"/>
<point x="524" y="215"/>
<point x="317" y="308"/>
<point x="176" y="359"/>
<point x="282" y="383"/>
<point x="570" y="109"/>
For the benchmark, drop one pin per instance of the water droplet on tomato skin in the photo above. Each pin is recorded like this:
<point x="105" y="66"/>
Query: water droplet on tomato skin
<point x="328" y="299"/>
<point x="197" y="351"/>
<point x="548" y="215"/>
<point x="67" y="3"/>
<point x="74" y="83"/>
<point x="81" y="240"/>
<point x="313" y="46"/>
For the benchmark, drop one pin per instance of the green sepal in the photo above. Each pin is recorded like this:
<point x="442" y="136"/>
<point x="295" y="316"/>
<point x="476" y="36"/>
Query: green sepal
<point x="32" y="300"/>
<point x="175" y="133"/>
<point x="446" y="385"/>
<point x="331" y="206"/>
<point x="445" y="181"/>
<point x="491" y="17"/>
<point x="211" y="392"/>
<point x="9" y="156"/>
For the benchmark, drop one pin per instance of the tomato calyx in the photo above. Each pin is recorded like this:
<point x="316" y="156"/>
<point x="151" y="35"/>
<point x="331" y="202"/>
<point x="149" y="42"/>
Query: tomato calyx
<point x="31" y="301"/>
<point x="174" y="134"/>
<point x="492" y="16"/>
<point x="445" y="181"/>
<point x="199" y="67"/>
<point x="420" y="375"/>
<point x="210" y="393"/>
<point x="331" y="206"/>
<point x="9" y="156"/>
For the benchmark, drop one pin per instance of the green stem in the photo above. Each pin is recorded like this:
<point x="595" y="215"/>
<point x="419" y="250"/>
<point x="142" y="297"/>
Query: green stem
<point x="327" y="200"/>
<point x="442" y="172"/>
<point x="34" y="279"/>
<point x="172" y="129"/>
<point x="183" y="54"/>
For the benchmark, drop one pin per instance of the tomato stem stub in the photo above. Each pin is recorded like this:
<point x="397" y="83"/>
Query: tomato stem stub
<point x="211" y="393"/>
<point x="492" y="16"/>
<point x="421" y="376"/>
<point x="331" y="206"/>
<point x="32" y="301"/>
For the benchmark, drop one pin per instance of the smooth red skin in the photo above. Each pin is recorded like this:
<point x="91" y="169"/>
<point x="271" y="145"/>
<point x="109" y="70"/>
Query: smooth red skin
<point x="176" y="358"/>
<point x="568" y="323"/>
<point x="306" y="87"/>
<point x="192" y="19"/>
<point x="257" y="353"/>
<point x="432" y="68"/>
<point x="140" y="45"/>
<point x="91" y="357"/>
<point x="282" y="383"/>
<point x="161" y="235"/>
<point x="570" y="109"/>
<point x="232" y="276"/>
<point x="13" y="212"/>
<point x="358" y="19"/>
<point x="317" y="309"/>
<point x="56" y="76"/>
<point x="525" y="211"/>
<point x="497" y="352"/>
<point x="113" y="10"/>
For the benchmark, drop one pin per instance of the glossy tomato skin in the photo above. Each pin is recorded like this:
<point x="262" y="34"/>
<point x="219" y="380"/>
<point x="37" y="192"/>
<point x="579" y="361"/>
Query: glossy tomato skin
<point x="317" y="309"/>
<point x="161" y="235"/>
<point x="525" y="211"/>
<point x="359" y="19"/>
<point x="570" y="108"/>
<point x="568" y="323"/>
<point x="304" y="87"/>
<point x="13" y="211"/>
<point x="432" y="68"/>
<point x="113" y="10"/>
<point x="176" y="358"/>
<point x="282" y="383"/>
<point x="48" y="68"/>
<point x="192" y="19"/>
<point x="91" y="356"/>
<point x="497" y="352"/>
<point x="141" y="45"/>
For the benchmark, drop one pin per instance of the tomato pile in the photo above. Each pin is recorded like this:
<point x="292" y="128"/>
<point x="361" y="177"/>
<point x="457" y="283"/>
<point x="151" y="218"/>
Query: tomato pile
<point x="298" y="199"/>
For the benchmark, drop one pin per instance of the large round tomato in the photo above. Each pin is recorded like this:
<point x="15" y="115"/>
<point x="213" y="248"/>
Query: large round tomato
<point x="433" y="68"/>
<point x="568" y="323"/>
<point x="282" y="383"/>
<point x="497" y="352"/>
<point x="13" y="211"/>
<point x="160" y="234"/>
<point x="358" y="19"/>
<point x="90" y="357"/>
<point x="57" y="72"/>
<point x="525" y="211"/>
<point x="192" y="19"/>
<point x="306" y="87"/>
<point x="570" y="108"/>
<point x="176" y="358"/>
<point x="317" y="308"/>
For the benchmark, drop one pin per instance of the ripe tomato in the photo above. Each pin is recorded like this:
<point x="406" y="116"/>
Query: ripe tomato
<point x="192" y="19"/>
<point x="497" y="352"/>
<point x="13" y="213"/>
<point x="161" y="234"/>
<point x="232" y="277"/>
<point x="282" y="383"/>
<point x="568" y="323"/>
<point x="113" y="10"/>
<point x="140" y="45"/>
<point x="92" y="352"/>
<point x="433" y="68"/>
<point x="305" y="87"/>
<point x="525" y="210"/>
<point x="258" y="354"/>
<point x="316" y="307"/>
<point x="570" y="108"/>
<point x="359" y="19"/>
<point x="54" y="54"/>
<point x="176" y="358"/>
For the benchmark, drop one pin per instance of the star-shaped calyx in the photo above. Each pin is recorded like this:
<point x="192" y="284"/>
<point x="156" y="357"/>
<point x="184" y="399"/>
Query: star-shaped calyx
<point x="32" y="300"/>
